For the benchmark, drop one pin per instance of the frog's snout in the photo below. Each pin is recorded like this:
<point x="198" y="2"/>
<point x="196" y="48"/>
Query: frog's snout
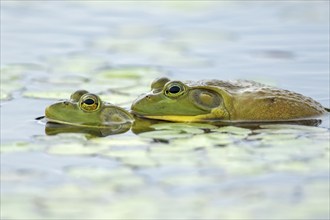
<point x="47" y="112"/>
<point x="139" y="99"/>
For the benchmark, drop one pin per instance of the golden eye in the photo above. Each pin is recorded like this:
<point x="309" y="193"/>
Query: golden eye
<point x="174" y="90"/>
<point x="89" y="102"/>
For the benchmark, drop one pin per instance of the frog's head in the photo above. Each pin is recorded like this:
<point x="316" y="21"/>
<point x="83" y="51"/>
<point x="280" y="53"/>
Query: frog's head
<point x="177" y="101"/>
<point x="84" y="108"/>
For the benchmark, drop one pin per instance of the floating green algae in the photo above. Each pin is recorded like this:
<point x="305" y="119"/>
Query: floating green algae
<point x="114" y="178"/>
<point x="116" y="85"/>
<point x="193" y="128"/>
<point x="13" y="78"/>
<point x="79" y="63"/>
<point x="47" y="94"/>
<point x="76" y="149"/>
<point x="20" y="146"/>
<point x="135" y="158"/>
<point x="165" y="134"/>
<point x="166" y="54"/>
<point x="4" y="95"/>
<point x="197" y="172"/>
<point x="24" y="203"/>
<point x="133" y="73"/>
<point x="61" y="138"/>
<point x="62" y="80"/>
<point x="233" y="130"/>
<point x="121" y="142"/>
<point x="99" y="173"/>
<point x="201" y="141"/>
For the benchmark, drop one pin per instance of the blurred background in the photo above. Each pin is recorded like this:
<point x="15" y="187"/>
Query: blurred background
<point x="49" y="49"/>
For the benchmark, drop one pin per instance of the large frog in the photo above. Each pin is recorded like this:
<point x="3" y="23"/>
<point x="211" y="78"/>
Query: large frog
<point x="223" y="100"/>
<point x="84" y="108"/>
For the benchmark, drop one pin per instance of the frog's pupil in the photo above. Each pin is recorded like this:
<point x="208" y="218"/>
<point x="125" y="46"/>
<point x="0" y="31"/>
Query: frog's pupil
<point x="175" y="89"/>
<point x="89" y="101"/>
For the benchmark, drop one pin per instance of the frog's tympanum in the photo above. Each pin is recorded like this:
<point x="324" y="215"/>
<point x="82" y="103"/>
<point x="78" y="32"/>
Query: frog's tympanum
<point x="223" y="100"/>
<point x="87" y="109"/>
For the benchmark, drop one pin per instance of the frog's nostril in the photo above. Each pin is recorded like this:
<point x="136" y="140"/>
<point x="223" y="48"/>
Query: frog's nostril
<point x="148" y="97"/>
<point x="66" y="103"/>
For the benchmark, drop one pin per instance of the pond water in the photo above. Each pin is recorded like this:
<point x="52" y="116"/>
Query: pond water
<point x="176" y="171"/>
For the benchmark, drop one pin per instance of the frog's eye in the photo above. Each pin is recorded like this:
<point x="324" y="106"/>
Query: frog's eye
<point x="89" y="103"/>
<point x="174" y="90"/>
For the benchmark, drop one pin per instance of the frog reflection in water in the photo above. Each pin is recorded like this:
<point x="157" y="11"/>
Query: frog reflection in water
<point x="223" y="100"/>
<point x="88" y="110"/>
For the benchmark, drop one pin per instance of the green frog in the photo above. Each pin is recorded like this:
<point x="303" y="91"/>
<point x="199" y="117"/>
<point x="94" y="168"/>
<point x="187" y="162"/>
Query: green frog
<point x="86" y="109"/>
<point x="209" y="100"/>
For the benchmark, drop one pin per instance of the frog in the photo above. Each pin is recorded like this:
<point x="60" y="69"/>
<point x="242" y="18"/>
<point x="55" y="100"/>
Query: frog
<point x="86" y="109"/>
<point x="235" y="100"/>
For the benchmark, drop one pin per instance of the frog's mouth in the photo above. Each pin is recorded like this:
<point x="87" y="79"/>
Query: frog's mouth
<point x="48" y="114"/>
<point x="52" y="117"/>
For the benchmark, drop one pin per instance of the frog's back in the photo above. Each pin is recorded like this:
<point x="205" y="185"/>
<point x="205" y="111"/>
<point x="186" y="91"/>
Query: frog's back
<point x="249" y="100"/>
<point x="237" y="86"/>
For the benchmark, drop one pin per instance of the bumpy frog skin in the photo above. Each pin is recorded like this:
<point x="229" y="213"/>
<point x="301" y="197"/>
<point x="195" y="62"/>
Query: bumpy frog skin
<point x="84" y="108"/>
<point x="223" y="100"/>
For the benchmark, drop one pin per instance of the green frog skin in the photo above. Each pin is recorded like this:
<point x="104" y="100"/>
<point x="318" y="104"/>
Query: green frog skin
<point x="240" y="100"/>
<point x="87" y="109"/>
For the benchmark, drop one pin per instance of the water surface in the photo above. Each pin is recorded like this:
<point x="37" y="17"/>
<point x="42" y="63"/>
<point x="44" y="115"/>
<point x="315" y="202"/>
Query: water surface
<point x="116" y="49"/>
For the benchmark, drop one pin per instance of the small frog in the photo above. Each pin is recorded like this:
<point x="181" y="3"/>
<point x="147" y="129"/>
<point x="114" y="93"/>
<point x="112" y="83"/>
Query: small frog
<point x="87" y="109"/>
<point x="240" y="100"/>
